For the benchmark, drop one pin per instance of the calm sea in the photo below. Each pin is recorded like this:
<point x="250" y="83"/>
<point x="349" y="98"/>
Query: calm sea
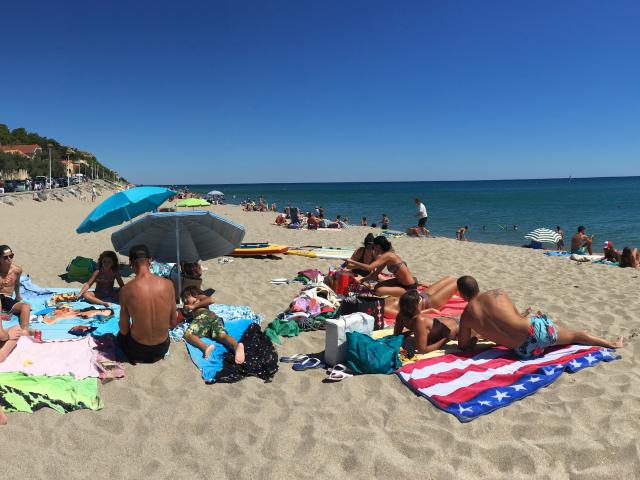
<point x="608" y="207"/>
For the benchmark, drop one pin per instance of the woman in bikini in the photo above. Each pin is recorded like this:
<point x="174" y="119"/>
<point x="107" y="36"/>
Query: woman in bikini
<point x="386" y="257"/>
<point x="364" y="254"/>
<point x="429" y="333"/>
<point x="104" y="278"/>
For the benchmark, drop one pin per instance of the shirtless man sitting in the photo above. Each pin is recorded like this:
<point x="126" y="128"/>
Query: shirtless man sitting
<point x="10" y="284"/>
<point x="494" y="316"/>
<point x="430" y="333"/>
<point x="581" y="243"/>
<point x="147" y="311"/>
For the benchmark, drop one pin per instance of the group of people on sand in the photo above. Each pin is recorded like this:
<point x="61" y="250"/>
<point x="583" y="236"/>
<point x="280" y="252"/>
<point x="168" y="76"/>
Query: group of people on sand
<point x="490" y="315"/>
<point x="582" y="244"/>
<point x="147" y="308"/>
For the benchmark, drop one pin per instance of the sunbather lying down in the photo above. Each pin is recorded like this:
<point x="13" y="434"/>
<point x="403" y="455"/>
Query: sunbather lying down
<point x="64" y="312"/>
<point x="433" y="297"/>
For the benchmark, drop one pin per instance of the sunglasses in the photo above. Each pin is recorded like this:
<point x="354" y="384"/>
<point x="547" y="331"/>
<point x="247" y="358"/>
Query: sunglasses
<point x="7" y="256"/>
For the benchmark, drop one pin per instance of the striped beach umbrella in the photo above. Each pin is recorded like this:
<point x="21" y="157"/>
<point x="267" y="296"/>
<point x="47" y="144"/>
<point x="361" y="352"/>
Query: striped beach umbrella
<point x="543" y="235"/>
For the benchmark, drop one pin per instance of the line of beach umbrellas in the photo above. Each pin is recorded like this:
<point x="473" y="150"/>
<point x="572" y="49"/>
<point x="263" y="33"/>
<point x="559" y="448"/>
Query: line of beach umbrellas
<point x="171" y="237"/>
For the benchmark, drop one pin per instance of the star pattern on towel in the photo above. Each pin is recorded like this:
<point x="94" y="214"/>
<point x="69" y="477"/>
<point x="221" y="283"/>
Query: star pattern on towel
<point x="518" y="387"/>
<point x="485" y="403"/>
<point x="500" y="395"/>
<point x="575" y="364"/>
<point x="463" y="409"/>
<point x="534" y="379"/>
<point x="549" y="371"/>
<point x="590" y="358"/>
<point x="605" y="353"/>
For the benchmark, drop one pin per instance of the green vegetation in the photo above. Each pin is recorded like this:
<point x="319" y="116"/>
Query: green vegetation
<point x="40" y="164"/>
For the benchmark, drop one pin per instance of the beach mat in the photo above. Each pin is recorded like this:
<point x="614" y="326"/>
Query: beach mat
<point x="557" y="254"/>
<point x="28" y="393"/>
<point x="469" y="385"/>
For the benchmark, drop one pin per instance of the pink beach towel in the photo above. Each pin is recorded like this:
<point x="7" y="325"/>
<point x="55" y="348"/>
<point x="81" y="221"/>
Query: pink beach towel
<point x="73" y="357"/>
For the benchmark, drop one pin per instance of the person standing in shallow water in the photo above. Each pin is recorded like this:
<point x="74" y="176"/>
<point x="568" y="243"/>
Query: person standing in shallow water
<point x="560" y="243"/>
<point x="422" y="217"/>
<point x="384" y="222"/>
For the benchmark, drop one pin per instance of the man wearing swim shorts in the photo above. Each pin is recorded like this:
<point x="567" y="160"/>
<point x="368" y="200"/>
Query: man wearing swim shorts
<point x="493" y="316"/>
<point x="147" y="311"/>
<point x="581" y="243"/>
<point x="9" y="285"/>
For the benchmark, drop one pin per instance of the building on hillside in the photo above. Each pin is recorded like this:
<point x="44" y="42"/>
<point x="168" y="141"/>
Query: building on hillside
<point x="28" y="151"/>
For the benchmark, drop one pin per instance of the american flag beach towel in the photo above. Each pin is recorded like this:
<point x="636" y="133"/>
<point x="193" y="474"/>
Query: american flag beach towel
<point x="472" y="384"/>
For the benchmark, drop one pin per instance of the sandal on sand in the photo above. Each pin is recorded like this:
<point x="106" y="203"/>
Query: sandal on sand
<point x="338" y="375"/>
<point x="337" y="368"/>
<point x="297" y="358"/>
<point x="307" y="364"/>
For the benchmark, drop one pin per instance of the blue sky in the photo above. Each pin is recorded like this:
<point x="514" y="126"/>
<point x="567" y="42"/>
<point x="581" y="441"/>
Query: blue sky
<point x="268" y="91"/>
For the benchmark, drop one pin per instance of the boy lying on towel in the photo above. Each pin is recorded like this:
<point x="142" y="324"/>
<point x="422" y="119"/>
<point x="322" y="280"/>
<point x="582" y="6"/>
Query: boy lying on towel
<point x="204" y="323"/>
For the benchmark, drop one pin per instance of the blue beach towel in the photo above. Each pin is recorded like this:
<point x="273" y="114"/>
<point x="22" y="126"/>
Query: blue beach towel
<point x="31" y="290"/>
<point x="60" y="329"/>
<point x="209" y="368"/>
<point x="557" y="254"/>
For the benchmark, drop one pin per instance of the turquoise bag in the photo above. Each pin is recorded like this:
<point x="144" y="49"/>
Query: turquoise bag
<point x="367" y="355"/>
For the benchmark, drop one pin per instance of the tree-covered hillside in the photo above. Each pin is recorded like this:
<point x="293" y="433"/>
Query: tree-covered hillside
<point x="40" y="164"/>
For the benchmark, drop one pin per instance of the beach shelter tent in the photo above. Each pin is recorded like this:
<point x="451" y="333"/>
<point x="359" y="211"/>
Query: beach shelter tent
<point x="180" y="236"/>
<point x="192" y="202"/>
<point x="124" y="206"/>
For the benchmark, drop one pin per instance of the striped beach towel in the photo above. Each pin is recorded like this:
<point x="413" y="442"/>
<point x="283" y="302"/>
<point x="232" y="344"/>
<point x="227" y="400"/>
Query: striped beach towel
<point x="472" y="384"/>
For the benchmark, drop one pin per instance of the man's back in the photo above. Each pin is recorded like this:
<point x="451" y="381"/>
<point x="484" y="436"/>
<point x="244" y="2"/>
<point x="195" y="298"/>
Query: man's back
<point x="150" y="302"/>
<point x="494" y="316"/>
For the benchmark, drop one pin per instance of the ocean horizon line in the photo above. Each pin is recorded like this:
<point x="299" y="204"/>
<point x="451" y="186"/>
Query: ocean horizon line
<point x="399" y="181"/>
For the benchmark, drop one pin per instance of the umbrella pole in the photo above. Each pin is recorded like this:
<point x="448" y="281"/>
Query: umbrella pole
<point x="179" y="299"/>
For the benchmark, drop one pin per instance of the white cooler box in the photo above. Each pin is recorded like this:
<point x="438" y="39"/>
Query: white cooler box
<point x="335" y="349"/>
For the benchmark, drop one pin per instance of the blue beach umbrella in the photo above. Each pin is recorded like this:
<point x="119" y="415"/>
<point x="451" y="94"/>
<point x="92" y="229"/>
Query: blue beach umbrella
<point x="123" y="206"/>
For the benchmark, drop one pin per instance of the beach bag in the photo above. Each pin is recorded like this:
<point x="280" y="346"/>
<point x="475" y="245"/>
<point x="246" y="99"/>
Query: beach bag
<point x="368" y="355"/>
<point x="369" y="304"/>
<point x="335" y="348"/>
<point x="345" y="279"/>
<point x="80" y="269"/>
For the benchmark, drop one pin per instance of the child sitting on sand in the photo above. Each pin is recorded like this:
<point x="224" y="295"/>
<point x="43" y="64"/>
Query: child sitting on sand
<point x="205" y="323"/>
<point x="104" y="278"/>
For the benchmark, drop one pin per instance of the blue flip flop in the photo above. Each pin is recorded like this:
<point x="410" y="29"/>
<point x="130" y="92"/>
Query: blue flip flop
<point x="308" y="364"/>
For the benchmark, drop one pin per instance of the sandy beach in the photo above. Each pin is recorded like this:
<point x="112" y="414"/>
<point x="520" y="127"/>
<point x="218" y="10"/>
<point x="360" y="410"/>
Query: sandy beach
<point x="163" y="421"/>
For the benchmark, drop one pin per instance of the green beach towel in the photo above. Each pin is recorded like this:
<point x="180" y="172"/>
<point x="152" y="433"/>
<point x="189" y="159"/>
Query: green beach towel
<point x="28" y="393"/>
<point x="279" y="328"/>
